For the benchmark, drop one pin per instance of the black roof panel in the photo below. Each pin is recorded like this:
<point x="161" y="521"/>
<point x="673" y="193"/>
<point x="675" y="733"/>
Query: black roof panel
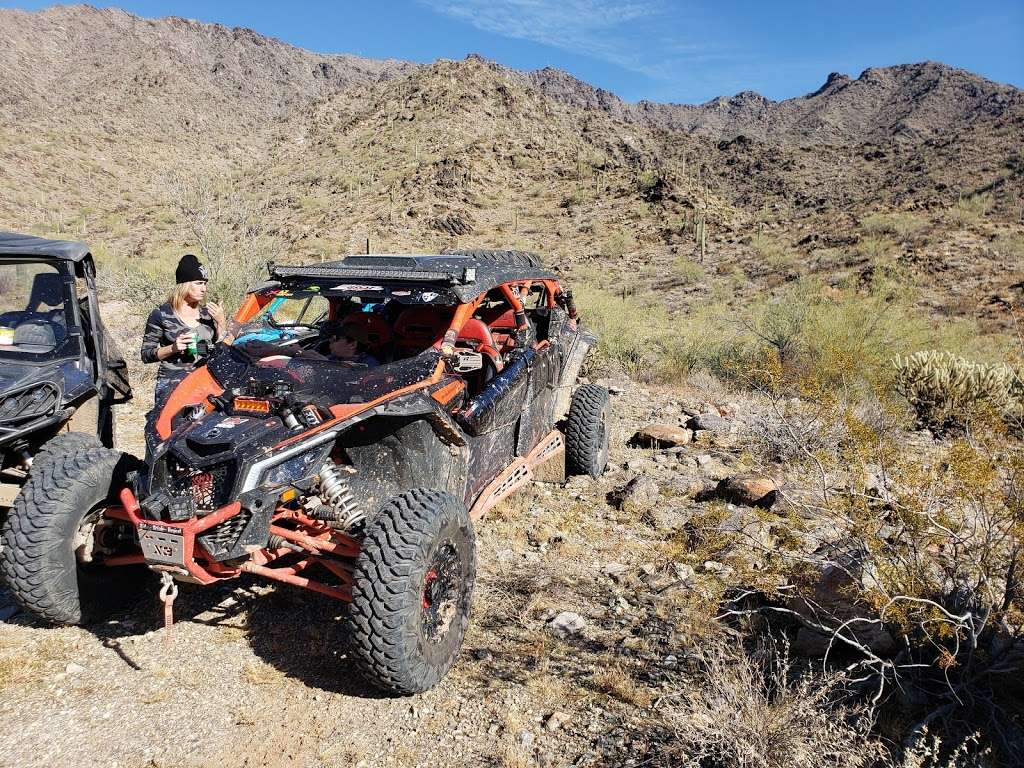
<point x="13" y="244"/>
<point x="466" y="273"/>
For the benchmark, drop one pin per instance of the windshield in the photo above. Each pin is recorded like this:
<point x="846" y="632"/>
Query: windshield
<point x="35" y="311"/>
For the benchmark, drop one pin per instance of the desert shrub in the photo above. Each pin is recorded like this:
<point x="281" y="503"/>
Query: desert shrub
<point x="626" y="330"/>
<point x="773" y="253"/>
<point x="687" y="270"/>
<point x="758" y="711"/>
<point x="620" y="243"/>
<point x="1010" y="245"/>
<point x="902" y="225"/>
<point x="947" y="391"/>
<point x="971" y="208"/>
<point x="912" y="581"/>
<point x="808" y="340"/>
<point x="787" y="430"/>
<point x="575" y="198"/>
<point x="874" y="247"/>
<point x="142" y="284"/>
<point x="228" y="231"/>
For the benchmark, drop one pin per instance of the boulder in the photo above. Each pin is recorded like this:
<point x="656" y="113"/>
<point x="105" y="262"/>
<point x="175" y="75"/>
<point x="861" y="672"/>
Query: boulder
<point x="555" y="721"/>
<point x="638" y="463"/>
<point x="684" y="572"/>
<point x="709" y="421"/>
<point x="638" y="495"/>
<point x="660" y="436"/>
<point x="615" y="571"/>
<point x="666" y="519"/>
<point x="567" y="624"/>
<point x="833" y="597"/>
<point x="744" y="524"/>
<point x="614" y="386"/>
<point x="748" y="490"/>
<point x="711" y="467"/>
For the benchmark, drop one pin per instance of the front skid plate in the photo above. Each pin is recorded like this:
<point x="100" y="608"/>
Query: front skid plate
<point x="162" y="545"/>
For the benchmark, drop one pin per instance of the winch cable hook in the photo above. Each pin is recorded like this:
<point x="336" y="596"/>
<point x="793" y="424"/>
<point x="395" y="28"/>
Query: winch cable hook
<point x="168" y="591"/>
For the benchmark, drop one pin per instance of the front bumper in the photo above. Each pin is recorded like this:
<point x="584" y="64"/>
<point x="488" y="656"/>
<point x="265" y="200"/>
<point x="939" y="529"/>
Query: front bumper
<point x="173" y="547"/>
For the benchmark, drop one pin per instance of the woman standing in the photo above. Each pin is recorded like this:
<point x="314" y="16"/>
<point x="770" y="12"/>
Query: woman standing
<point x="179" y="334"/>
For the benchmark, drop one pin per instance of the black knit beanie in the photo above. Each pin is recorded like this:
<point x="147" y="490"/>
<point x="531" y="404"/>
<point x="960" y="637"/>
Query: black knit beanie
<point x="190" y="269"/>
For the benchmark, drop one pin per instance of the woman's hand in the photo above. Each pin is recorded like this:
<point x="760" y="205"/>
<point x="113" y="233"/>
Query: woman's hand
<point x="217" y="313"/>
<point x="180" y="345"/>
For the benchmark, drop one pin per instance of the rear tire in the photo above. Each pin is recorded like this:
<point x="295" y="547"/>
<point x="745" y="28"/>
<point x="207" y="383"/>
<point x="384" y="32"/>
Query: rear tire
<point x="586" y="431"/>
<point x="412" y="590"/>
<point x="45" y="527"/>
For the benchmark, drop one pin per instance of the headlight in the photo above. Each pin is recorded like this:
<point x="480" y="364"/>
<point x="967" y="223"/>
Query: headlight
<point x="296" y="468"/>
<point x="29" y="403"/>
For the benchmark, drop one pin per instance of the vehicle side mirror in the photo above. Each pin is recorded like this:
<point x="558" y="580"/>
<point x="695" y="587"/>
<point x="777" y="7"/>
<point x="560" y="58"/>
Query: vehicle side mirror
<point x="466" y="361"/>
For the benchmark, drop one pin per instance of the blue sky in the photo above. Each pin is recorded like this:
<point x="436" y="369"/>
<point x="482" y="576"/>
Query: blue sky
<point x="663" y="50"/>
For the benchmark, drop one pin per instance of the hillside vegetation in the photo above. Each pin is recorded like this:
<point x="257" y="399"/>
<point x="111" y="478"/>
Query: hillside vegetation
<point x="807" y="550"/>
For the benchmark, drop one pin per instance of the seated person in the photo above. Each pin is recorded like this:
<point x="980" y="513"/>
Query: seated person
<point x="345" y="343"/>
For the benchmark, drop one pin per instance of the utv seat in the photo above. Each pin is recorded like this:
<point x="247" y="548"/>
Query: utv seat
<point x="374" y="329"/>
<point x="477" y="336"/>
<point x="418" y="328"/>
<point x="37" y="332"/>
<point x="43" y="318"/>
<point x="502" y="326"/>
<point x="47" y="293"/>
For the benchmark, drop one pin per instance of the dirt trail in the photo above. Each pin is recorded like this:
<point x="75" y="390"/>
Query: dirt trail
<point x="257" y="675"/>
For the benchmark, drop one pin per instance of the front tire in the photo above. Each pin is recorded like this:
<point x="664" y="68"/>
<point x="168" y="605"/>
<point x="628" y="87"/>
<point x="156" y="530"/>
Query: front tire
<point x="412" y="588"/>
<point x="52" y="555"/>
<point x="586" y="431"/>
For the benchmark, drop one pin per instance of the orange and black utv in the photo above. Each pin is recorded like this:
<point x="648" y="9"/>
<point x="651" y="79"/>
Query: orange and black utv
<point x="358" y="477"/>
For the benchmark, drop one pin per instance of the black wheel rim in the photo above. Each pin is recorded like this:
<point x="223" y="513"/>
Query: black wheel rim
<point x="441" y="596"/>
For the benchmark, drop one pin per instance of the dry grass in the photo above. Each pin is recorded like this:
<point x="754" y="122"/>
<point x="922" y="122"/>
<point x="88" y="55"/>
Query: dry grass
<point x="263" y="674"/>
<point x="904" y="226"/>
<point x="614" y="681"/>
<point x="760" y="712"/>
<point x="23" y="666"/>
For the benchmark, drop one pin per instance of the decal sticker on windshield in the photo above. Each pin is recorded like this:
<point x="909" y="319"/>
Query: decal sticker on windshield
<point x="428" y="296"/>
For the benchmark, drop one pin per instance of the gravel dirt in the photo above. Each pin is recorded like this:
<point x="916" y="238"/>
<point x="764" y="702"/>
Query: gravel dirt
<point x="257" y="675"/>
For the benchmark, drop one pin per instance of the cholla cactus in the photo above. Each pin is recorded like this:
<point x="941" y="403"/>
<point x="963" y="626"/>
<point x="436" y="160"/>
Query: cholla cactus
<point x="945" y="389"/>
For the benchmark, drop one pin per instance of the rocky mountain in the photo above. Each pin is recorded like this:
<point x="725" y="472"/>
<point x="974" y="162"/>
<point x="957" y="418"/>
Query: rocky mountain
<point x="910" y="102"/>
<point x="168" y="73"/>
<point x="104" y="113"/>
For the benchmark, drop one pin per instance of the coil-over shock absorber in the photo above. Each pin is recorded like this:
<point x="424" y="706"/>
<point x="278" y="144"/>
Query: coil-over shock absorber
<point x="339" y="506"/>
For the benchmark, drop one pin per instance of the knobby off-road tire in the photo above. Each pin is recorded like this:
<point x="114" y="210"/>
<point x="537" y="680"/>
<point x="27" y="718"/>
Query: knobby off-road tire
<point x="38" y="560"/>
<point x="64" y="442"/>
<point x="411" y="593"/>
<point x="586" y="431"/>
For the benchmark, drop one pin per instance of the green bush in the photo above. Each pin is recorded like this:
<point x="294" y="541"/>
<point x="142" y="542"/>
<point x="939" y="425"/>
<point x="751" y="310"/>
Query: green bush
<point x="620" y="243"/>
<point x="903" y="225"/>
<point x="808" y="339"/>
<point x="971" y="208"/>
<point x="688" y="270"/>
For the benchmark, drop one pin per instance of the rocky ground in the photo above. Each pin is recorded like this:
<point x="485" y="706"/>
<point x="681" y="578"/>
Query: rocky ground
<point x="584" y="610"/>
